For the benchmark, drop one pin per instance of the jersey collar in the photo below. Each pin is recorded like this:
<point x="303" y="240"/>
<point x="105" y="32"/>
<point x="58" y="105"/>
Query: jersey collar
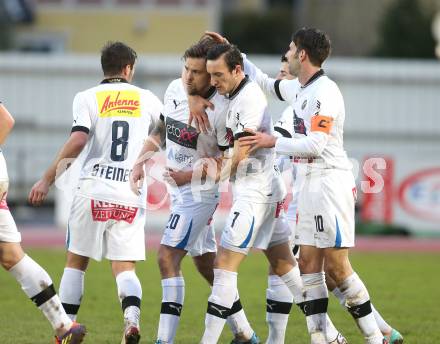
<point x="239" y="87"/>
<point x="210" y="93"/>
<point x="314" y="77"/>
<point x="114" y="80"/>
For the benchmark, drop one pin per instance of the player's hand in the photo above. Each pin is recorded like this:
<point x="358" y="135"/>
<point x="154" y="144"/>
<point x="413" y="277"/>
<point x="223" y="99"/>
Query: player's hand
<point x="177" y="178"/>
<point x="257" y="140"/>
<point x="137" y="178"/>
<point x="39" y="192"/>
<point x="216" y="37"/>
<point x="207" y="169"/>
<point x="197" y="107"/>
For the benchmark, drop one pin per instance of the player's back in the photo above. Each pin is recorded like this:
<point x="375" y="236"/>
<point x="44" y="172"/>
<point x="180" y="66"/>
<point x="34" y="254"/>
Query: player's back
<point x="117" y="116"/>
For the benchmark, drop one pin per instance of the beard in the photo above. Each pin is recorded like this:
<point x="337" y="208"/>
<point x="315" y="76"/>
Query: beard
<point x="192" y="90"/>
<point x="294" y="68"/>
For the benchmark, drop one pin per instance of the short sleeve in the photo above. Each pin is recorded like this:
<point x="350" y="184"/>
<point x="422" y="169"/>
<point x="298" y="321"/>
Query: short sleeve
<point x="248" y="113"/>
<point x="327" y="105"/>
<point x="284" y="126"/>
<point x="81" y="114"/>
<point x="174" y="96"/>
<point x="155" y="108"/>
<point x="286" y="89"/>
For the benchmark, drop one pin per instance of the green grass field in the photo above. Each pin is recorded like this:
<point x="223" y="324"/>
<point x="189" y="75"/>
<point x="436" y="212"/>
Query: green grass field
<point x="403" y="287"/>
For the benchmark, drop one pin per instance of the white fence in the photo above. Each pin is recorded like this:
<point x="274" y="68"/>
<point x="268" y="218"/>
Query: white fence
<point x="392" y="111"/>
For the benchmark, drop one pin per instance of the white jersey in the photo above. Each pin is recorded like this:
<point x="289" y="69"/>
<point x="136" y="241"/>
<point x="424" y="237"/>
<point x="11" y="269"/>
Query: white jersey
<point x="284" y="125"/>
<point x="257" y="179"/>
<point x="318" y="119"/>
<point x="3" y="168"/>
<point x="185" y="146"/>
<point x="117" y="117"/>
<point x="319" y="113"/>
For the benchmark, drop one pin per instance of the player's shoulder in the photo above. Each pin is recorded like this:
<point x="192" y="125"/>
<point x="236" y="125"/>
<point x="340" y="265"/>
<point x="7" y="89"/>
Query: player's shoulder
<point x="85" y="95"/>
<point x="290" y="83"/>
<point x="175" y="89"/>
<point x="147" y="96"/>
<point x="326" y="85"/>
<point x="252" y="88"/>
<point x="251" y="93"/>
<point x="219" y="99"/>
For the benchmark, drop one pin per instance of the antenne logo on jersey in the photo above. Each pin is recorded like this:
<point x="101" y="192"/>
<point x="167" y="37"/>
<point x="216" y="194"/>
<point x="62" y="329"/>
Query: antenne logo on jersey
<point x="118" y="104"/>
<point x="298" y="124"/>
<point x="181" y="134"/>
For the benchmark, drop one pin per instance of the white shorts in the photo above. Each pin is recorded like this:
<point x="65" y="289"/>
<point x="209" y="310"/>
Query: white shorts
<point x="326" y="209"/>
<point x="98" y="229"/>
<point x="190" y="228"/>
<point x="257" y="225"/>
<point x="8" y="228"/>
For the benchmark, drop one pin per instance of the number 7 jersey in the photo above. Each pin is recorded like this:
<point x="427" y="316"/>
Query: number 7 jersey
<point x="117" y="116"/>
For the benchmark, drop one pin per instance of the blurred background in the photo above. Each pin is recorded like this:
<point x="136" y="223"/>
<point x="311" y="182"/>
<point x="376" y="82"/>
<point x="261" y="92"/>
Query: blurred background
<point x="384" y="60"/>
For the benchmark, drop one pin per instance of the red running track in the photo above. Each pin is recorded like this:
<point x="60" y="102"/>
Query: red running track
<point x="55" y="238"/>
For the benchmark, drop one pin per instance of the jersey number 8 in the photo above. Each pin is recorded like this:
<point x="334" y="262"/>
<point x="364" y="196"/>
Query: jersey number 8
<point x="120" y="130"/>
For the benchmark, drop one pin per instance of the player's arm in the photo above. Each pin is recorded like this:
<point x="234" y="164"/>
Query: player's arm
<point x="197" y="113"/>
<point x="282" y="161"/>
<point x="307" y="147"/>
<point x="71" y="149"/>
<point x="203" y="169"/>
<point x="267" y="84"/>
<point x="6" y="123"/>
<point x="81" y="126"/>
<point x="152" y="144"/>
<point x="327" y="106"/>
<point x="239" y="154"/>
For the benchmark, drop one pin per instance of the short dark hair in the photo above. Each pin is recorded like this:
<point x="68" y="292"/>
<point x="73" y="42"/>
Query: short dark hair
<point x="315" y="42"/>
<point x="200" y="49"/>
<point x="284" y="58"/>
<point x="115" y="56"/>
<point x="232" y="55"/>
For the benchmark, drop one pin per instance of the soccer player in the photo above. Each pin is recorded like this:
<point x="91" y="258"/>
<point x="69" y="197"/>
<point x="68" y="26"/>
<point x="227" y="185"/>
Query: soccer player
<point x="325" y="229"/>
<point x="279" y="299"/>
<point x="34" y="280"/>
<point x="189" y="229"/>
<point x="110" y="123"/>
<point x="256" y="217"/>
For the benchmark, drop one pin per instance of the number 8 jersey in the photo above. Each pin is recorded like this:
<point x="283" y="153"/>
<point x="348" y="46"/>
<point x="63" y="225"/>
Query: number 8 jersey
<point x="117" y="116"/>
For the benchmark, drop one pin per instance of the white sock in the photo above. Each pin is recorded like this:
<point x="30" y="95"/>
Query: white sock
<point x="220" y="301"/>
<point x="238" y="322"/>
<point x="331" y="333"/>
<point x="294" y="282"/>
<point x="279" y="301"/>
<point x="130" y="295"/>
<point x="38" y="286"/>
<point x="315" y="306"/>
<point x="383" y="325"/>
<point x="71" y="291"/>
<point x="337" y="293"/>
<point x="173" y="295"/>
<point x="358" y="304"/>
